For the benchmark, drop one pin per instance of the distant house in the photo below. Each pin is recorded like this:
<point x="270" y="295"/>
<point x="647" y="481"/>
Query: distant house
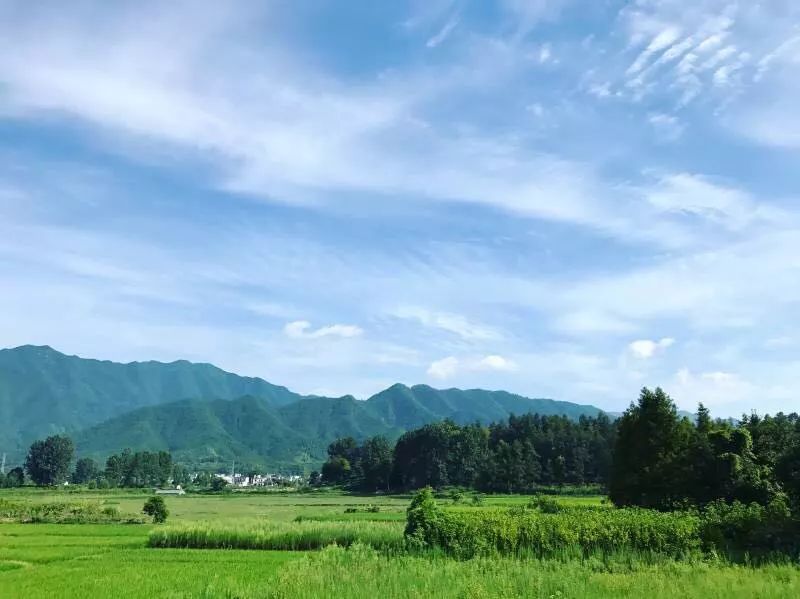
<point x="177" y="491"/>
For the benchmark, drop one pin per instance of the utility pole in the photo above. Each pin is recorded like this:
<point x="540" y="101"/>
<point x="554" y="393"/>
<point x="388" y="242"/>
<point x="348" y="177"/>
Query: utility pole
<point x="3" y="465"/>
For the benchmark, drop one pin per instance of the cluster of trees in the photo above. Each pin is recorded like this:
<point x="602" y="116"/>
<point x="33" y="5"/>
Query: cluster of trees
<point x="138" y="469"/>
<point x="366" y="466"/>
<point x="514" y="456"/>
<point x="650" y="457"/>
<point x="663" y="461"/>
<point x="48" y="463"/>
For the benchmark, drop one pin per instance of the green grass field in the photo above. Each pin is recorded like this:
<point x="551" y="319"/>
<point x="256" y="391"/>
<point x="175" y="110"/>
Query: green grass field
<point x="113" y="560"/>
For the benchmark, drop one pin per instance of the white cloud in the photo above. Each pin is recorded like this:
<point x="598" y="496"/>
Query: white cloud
<point x="446" y="321"/>
<point x="667" y="128"/>
<point x="444" y="368"/>
<point x="495" y="362"/>
<point x="646" y="348"/>
<point x="443" y="33"/>
<point x="301" y="329"/>
<point x="545" y="53"/>
<point x="449" y="367"/>
<point x="685" y="193"/>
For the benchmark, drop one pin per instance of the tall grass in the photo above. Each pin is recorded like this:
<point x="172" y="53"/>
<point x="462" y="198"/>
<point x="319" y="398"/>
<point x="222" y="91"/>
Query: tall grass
<point x="362" y="573"/>
<point x="292" y="536"/>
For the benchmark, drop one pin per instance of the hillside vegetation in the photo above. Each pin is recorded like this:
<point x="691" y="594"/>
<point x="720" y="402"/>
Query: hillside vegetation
<point x="202" y="413"/>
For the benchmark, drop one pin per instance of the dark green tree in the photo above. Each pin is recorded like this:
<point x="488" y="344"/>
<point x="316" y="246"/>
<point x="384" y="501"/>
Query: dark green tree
<point x="336" y="470"/>
<point x="218" y="484"/>
<point x="48" y="461"/>
<point x="376" y="464"/>
<point x="15" y="477"/>
<point x="652" y="443"/>
<point x="156" y="507"/>
<point x="85" y="470"/>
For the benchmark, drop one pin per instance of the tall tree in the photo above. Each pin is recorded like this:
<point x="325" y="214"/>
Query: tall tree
<point x="15" y="477"/>
<point x="376" y="463"/>
<point x="48" y="461"/>
<point x="85" y="470"/>
<point x="651" y="442"/>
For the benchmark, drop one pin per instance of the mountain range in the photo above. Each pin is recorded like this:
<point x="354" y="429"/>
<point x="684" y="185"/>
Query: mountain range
<point x="203" y="414"/>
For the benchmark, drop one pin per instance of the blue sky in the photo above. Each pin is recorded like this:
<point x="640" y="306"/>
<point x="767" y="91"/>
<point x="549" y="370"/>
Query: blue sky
<point x="558" y="198"/>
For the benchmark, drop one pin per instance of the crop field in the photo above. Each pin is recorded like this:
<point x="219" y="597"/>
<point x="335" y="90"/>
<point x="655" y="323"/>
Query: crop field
<point x="332" y="544"/>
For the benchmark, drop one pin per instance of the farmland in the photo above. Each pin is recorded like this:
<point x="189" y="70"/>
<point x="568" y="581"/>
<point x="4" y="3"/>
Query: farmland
<point x="80" y="560"/>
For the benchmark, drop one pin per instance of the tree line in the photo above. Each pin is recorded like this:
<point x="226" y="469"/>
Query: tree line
<point x="48" y="463"/>
<point x="650" y="457"/>
<point x="515" y="456"/>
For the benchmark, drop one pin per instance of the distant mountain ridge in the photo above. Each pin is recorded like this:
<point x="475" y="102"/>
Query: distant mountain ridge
<point x="200" y="412"/>
<point x="43" y="391"/>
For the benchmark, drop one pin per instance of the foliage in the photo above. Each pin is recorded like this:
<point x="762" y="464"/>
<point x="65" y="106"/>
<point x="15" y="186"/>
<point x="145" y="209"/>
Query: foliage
<point x="140" y="469"/>
<point x="85" y="470"/>
<point x="218" y="483"/>
<point x="48" y="461"/>
<point x="156" y="508"/>
<point x="15" y="477"/>
<point x="662" y="461"/>
<point x="60" y="512"/>
<point x="545" y="528"/>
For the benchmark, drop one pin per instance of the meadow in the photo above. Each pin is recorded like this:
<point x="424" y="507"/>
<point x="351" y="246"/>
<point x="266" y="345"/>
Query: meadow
<point x="293" y="534"/>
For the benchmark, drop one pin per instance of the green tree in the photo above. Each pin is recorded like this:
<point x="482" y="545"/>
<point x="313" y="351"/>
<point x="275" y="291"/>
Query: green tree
<point x="48" y="461"/>
<point x="15" y="477"/>
<point x="218" y="484"/>
<point x="336" y="470"/>
<point x="376" y="463"/>
<point x="156" y="508"/>
<point x="85" y="470"/>
<point x="180" y="475"/>
<point x="202" y="480"/>
<point x="788" y="473"/>
<point x="651" y="444"/>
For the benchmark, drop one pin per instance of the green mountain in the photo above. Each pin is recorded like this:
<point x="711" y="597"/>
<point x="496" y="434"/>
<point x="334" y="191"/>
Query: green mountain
<point x="253" y="431"/>
<point x="43" y="391"/>
<point x="202" y="413"/>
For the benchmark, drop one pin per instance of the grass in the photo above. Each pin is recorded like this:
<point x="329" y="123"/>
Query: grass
<point x="289" y="536"/>
<point x="113" y="560"/>
<point x="363" y="573"/>
<point x="79" y="561"/>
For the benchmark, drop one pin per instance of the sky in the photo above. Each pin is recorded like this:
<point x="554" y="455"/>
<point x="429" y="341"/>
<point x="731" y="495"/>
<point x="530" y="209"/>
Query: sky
<point x="558" y="198"/>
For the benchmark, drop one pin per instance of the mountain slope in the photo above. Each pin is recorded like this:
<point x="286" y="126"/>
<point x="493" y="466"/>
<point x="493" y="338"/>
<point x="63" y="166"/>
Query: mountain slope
<point x="43" y="391"/>
<point x="254" y="431"/>
<point x="411" y="407"/>
<point x="200" y="412"/>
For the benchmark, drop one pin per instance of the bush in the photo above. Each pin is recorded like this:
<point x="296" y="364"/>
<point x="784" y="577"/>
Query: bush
<point x="735" y="530"/>
<point x="156" y="508"/>
<point x="546" y="505"/>
<point x="752" y="528"/>
<point x="61" y="513"/>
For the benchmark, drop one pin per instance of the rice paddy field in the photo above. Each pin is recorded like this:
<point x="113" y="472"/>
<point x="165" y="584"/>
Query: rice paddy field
<point x="327" y="544"/>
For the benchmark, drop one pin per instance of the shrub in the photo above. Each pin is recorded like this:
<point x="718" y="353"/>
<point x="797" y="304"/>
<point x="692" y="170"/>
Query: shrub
<point x="546" y="505"/>
<point x="157" y="509"/>
<point x="735" y="530"/>
<point x="61" y="513"/>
